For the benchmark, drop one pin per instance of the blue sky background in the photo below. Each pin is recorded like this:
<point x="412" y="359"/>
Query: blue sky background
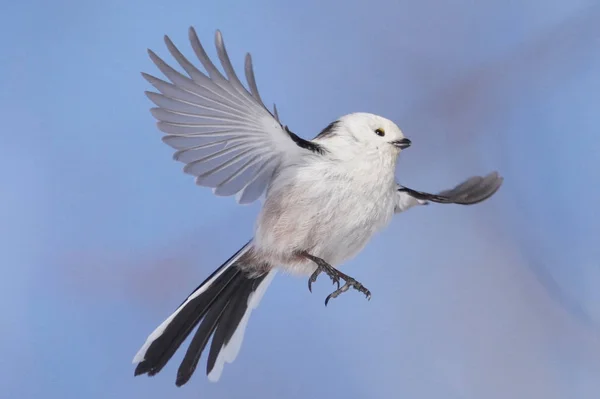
<point x="102" y="235"/>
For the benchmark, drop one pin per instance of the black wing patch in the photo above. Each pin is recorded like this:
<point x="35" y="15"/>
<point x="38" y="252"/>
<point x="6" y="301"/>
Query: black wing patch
<point x="306" y="144"/>
<point x="329" y="130"/>
<point x="472" y="191"/>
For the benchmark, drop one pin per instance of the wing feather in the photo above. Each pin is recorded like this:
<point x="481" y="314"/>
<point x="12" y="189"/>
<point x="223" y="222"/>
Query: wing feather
<point x="221" y="130"/>
<point x="472" y="191"/>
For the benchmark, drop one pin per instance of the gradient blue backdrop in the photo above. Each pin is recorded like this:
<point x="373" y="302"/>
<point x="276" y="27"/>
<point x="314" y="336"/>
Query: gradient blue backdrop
<point x="102" y="235"/>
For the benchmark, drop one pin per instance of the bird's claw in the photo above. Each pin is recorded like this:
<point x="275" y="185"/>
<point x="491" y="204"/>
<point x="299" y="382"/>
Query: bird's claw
<point x="336" y="276"/>
<point x="350" y="282"/>
<point x="335" y="279"/>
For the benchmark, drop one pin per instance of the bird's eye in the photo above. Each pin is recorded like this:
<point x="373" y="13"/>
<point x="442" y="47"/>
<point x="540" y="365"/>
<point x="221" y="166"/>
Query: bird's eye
<point x="380" y="132"/>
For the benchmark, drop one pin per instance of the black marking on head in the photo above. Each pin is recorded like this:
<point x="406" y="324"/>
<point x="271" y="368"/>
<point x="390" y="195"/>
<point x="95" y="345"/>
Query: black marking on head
<point x="306" y="144"/>
<point x="329" y="130"/>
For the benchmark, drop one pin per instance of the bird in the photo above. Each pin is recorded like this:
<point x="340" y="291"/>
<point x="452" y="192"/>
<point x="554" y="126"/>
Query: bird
<point x="322" y="199"/>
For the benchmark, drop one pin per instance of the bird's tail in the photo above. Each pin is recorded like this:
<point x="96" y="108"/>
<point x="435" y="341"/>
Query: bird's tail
<point x="221" y="306"/>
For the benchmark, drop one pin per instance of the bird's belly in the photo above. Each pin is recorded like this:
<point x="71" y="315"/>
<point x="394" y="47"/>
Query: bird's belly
<point x="328" y="222"/>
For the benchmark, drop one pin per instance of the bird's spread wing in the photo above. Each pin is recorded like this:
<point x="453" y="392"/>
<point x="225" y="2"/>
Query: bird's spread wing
<point x="472" y="191"/>
<point x="224" y="133"/>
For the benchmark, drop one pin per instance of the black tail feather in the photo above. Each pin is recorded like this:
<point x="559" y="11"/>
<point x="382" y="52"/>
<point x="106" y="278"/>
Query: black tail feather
<point x="164" y="347"/>
<point x="207" y="328"/>
<point x="218" y="311"/>
<point x="231" y="319"/>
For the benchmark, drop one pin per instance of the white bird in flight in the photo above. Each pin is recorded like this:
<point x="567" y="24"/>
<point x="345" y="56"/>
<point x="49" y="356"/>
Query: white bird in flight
<point x="324" y="198"/>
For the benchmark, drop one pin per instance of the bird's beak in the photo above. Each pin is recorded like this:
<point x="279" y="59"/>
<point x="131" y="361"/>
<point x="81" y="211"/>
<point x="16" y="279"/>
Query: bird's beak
<point x="402" y="144"/>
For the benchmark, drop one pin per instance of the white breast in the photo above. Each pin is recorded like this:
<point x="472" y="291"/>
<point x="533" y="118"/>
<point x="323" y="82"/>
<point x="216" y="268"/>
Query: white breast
<point x="329" y="208"/>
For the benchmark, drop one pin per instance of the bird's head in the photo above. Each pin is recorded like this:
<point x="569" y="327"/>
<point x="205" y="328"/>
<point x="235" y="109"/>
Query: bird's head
<point x="374" y="132"/>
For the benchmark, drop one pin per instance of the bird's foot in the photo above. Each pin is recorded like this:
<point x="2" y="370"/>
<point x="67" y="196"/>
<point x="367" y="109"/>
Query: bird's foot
<point x="350" y="282"/>
<point x="323" y="267"/>
<point x="335" y="276"/>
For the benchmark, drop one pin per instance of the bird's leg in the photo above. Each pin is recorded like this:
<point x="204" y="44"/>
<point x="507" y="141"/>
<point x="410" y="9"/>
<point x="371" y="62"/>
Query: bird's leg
<point x="322" y="266"/>
<point x="335" y="275"/>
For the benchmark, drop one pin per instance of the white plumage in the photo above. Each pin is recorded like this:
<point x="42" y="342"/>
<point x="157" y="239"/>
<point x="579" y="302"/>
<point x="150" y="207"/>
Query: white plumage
<point x="324" y="198"/>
